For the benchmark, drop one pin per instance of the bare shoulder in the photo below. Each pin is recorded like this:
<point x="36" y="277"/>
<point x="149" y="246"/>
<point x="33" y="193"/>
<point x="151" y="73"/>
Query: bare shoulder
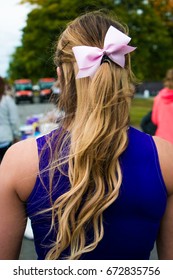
<point x="165" y="152"/>
<point x="19" y="167"/>
<point x="165" y="236"/>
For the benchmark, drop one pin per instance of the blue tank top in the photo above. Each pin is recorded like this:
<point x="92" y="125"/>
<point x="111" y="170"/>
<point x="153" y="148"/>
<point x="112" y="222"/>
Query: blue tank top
<point x="131" y="223"/>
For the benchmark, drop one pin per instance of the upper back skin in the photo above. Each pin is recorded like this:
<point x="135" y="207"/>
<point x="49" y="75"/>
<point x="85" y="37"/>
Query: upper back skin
<point x="165" y="153"/>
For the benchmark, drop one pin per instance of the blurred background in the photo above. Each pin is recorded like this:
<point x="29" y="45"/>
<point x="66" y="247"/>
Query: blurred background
<point x="30" y="28"/>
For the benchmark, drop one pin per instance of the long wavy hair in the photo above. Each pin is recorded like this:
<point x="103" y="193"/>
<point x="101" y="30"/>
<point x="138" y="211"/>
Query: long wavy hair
<point x="96" y="116"/>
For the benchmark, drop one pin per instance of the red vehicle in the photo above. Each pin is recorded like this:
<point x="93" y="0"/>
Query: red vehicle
<point x="45" y="85"/>
<point x="23" y="90"/>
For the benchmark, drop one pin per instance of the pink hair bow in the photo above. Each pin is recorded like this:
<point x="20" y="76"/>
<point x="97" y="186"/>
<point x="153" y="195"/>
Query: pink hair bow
<point x="115" y="47"/>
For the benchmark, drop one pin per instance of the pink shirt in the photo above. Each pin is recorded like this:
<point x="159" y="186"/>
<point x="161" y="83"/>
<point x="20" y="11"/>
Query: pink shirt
<point x="162" y="114"/>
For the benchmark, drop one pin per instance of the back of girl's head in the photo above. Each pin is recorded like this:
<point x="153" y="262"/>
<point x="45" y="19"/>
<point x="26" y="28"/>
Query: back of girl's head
<point x="89" y="30"/>
<point x="168" y="81"/>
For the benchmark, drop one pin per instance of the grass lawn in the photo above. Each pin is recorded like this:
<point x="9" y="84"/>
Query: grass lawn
<point x="140" y="107"/>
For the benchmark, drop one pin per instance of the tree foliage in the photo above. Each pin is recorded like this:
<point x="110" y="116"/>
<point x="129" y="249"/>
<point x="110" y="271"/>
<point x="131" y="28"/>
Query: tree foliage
<point x="151" y="36"/>
<point x="150" y="29"/>
<point x="164" y="9"/>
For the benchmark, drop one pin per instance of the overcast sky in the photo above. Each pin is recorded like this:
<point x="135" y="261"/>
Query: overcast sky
<point x="12" y="20"/>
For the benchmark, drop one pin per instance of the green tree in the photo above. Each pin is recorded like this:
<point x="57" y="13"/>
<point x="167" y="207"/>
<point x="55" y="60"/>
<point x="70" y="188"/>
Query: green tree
<point x="164" y="9"/>
<point x="153" y="40"/>
<point x="44" y="24"/>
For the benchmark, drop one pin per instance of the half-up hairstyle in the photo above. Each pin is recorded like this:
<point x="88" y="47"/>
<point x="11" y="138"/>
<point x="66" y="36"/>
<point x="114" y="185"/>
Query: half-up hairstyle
<point x="96" y="115"/>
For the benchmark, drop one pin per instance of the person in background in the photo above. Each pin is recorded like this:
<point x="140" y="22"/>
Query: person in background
<point x="95" y="187"/>
<point x="9" y="121"/>
<point x="9" y="90"/>
<point x="162" y="112"/>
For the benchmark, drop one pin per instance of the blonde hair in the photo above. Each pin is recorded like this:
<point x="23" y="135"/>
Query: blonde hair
<point x="97" y="117"/>
<point x="168" y="81"/>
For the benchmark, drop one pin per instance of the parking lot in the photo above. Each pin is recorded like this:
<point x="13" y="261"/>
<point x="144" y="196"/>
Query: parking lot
<point x="25" y="109"/>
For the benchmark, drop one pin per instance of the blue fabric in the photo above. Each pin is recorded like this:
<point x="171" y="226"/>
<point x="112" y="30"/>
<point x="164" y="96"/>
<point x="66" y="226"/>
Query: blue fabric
<point x="131" y="223"/>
